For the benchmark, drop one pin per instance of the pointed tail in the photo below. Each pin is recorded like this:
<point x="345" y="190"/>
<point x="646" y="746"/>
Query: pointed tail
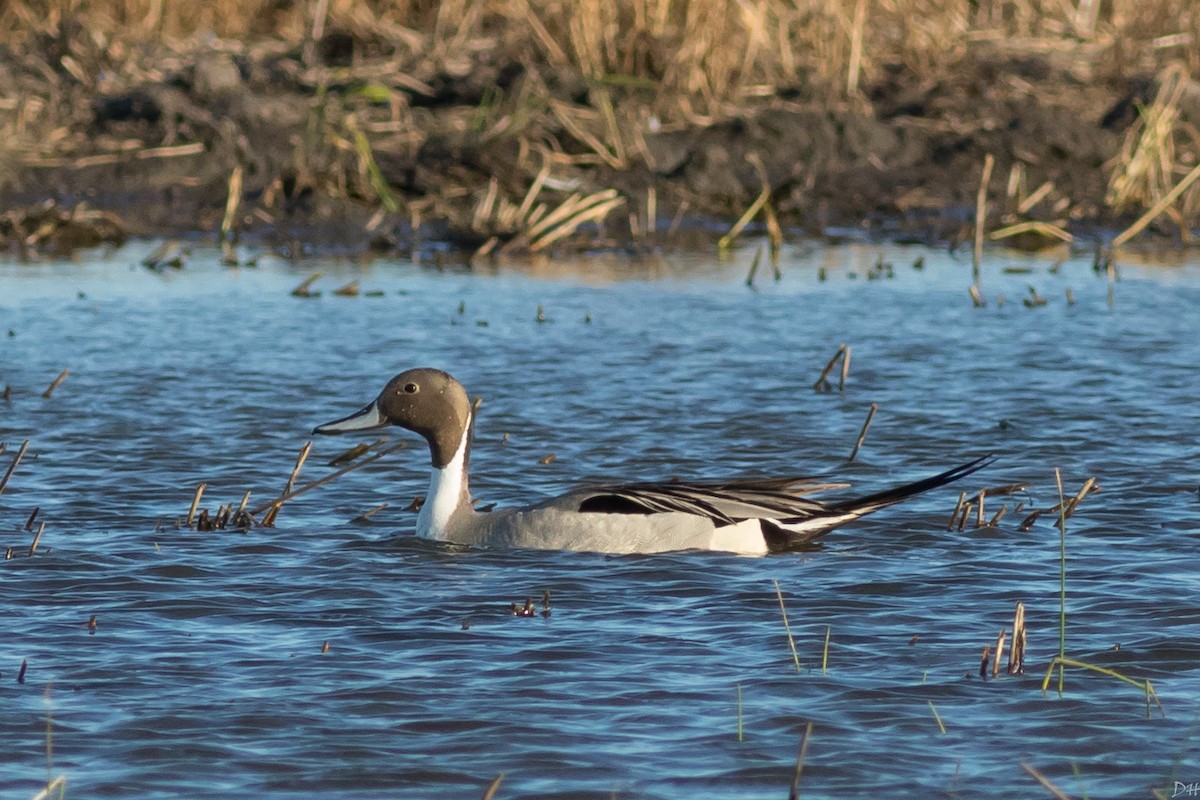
<point x="873" y="502"/>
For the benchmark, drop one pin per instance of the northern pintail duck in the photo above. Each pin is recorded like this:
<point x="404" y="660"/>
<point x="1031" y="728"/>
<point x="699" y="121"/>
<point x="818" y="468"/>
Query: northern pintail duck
<point x="740" y="515"/>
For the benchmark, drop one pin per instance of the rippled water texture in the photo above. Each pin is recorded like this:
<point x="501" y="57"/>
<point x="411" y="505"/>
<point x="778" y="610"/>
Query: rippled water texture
<point x="205" y="676"/>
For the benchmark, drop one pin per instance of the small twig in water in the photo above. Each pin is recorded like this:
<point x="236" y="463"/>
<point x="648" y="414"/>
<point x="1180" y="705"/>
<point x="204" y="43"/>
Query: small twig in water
<point x="37" y="537"/>
<point x="1016" y="655"/>
<point x="823" y="385"/>
<point x="330" y="477"/>
<point x="962" y="501"/>
<point x="493" y="787"/>
<point x="195" y="502"/>
<point x="754" y="267"/>
<point x="999" y="652"/>
<point x="980" y="216"/>
<point x="1045" y="782"/>
<point x="937" y="717"/>
<point x="794" y="792"/>
<point x="11" y="467"/>
<point x="786" y="627"/>
<point x="269" y="519"/>
<point x="1062" y="608"/>
<point x="62" y="376"/>
<point x="366" y="515"/>
<point x="739" y="711"/>
<point x="862" y="435"/>
<point x="305" y="288"/>
<point x="825" y="650"/>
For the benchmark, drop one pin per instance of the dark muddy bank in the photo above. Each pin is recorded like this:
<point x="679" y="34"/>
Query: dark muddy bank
<point x="355" y="153"/>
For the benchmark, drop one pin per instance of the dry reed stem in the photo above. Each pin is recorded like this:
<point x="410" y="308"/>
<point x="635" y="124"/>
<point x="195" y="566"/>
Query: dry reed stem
<point x="786" y="627"/>
<point x="493" y="787"/>
<point x="565" y="219"/>
<point x="366" y="515"/>
<point x="1016" y="655"/>
<point x="1158" y="208"/>
<point x="979" y="509"/>
<point x="1010" y="488"/>
<point x="739" y="712"/>
<point x="794" y="790"/>
<point x="269" y="519"/>
<point x="845" y="370"/>
<point x="233" y="201"/>
<point x="763" y="196"/>
<point x="821" y="382"/>
<point x="962" y="501"/>
<point x="330" y="477"/>
<point x="1148" y="157"/>
<point x="862" y="434"/>
<point x="62" y="376"/>
<point x="1044" y="228"/>
<point x="774" y="237"/>
<point x="937" y="717"/>
<point x="1045" y="782"/>
<point x="195" y="503"/>
<point x="754" y="267"/>
<point x="980" y="216"/>
<point x="59" y="784"/>
<point x="999" y="652"/>
<point x="1088" y="486"/>
<point x="1145" y="686"/>
<point x="966" y="515"/>
<point x="825" y="649"/>
<point x="305" y="287"/>
<point x="1062" y="608"/>
<point x="856" y="47"/>
<point x="37" y="537"/>
<point x="1032" y="200"/>
<point x="13" y="466"/>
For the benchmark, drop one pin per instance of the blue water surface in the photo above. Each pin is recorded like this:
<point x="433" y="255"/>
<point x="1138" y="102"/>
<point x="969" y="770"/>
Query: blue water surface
<point x="334" y="656"/>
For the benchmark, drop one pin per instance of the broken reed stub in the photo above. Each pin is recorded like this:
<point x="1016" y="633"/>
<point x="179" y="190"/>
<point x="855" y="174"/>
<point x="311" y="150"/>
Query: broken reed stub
<point x="195" y="503"/>
<point x="962" y="500"/>
<point x="62" y="376"/>
<point x="822" y="385"/>
<point x="1016" y="655"/>
<point x="37" y="537"/>
<point x="13" y="466"/>
<point x="862" y="434"/>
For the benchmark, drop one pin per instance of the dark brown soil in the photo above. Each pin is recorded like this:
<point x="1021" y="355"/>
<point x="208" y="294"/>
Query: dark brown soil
<point x="903" y="162"/>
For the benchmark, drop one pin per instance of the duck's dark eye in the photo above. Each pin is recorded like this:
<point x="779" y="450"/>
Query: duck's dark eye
<point x="411" y="388"/>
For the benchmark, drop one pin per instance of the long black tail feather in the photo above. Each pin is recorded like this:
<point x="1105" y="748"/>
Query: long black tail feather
<point x="888" y="497"/>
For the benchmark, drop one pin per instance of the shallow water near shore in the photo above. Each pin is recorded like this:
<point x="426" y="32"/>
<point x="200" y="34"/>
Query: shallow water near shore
<point x="205" y="678"/>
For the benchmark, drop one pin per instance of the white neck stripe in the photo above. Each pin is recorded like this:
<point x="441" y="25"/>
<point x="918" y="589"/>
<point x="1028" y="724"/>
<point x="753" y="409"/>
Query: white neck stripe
<point x="447" y="491"/>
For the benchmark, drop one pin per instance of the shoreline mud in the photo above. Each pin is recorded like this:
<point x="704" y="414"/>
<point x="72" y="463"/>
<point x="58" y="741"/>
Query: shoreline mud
<point x="360" y="136"/>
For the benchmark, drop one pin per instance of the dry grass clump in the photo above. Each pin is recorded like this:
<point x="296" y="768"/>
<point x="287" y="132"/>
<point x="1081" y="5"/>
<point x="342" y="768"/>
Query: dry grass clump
<point x="509" y="88"/>
<point x="1160" y="149"/>
<point x="694" y="57"/>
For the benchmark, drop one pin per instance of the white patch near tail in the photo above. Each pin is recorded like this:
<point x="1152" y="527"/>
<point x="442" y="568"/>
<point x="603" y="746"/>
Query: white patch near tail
<point x="745" y="538"/>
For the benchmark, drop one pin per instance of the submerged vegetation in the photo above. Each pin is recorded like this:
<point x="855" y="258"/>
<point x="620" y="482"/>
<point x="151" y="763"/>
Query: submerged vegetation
<point x="507" y="125"/>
